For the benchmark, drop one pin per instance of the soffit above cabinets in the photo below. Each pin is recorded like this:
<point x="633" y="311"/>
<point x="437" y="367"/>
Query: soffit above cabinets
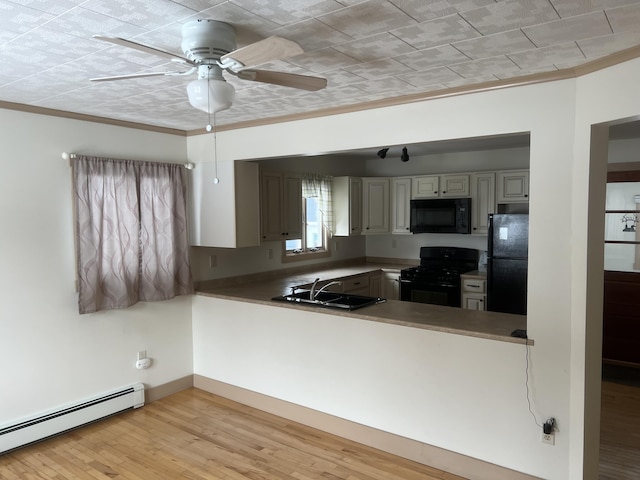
<point x="369" y="51"/>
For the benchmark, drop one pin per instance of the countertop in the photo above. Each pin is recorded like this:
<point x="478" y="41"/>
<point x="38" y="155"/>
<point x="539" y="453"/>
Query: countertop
<point x="261" y="288"/>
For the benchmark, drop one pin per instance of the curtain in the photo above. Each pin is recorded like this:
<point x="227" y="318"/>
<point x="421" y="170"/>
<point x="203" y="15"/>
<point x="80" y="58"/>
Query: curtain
<point x="131" y="232"/>
<point x="314" y="185"/>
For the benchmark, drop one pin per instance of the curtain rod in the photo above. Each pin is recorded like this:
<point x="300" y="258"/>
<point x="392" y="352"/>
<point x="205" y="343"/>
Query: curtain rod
<point x="71" y="156"/>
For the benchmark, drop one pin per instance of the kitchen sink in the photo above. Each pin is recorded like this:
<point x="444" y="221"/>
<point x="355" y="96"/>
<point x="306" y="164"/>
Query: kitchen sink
<point x="342" y="301"/>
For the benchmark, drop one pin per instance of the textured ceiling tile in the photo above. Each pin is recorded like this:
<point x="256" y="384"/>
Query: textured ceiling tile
<point x="240" y="18"/>
<point x="569" y="8"/>
<point x="371" y="48"/>
<point x="323" y="60"/>
<point x="601" y="46"/>
<point x="18" y="19"/>
<point x="625" y="19"/>
<point x="144" y="13"/>
<point x="471" y="81"/>
<point x="341" y="77"/>
<point x="378" y="68"/>
<point x="80" y="22"/>
<point x="284" y="12"/>
<point x="430" y="77"/>
<point x="58" y="43"/>
<point x="569" y="29"/>
<point x="465" y="5"/>
<point x="389" y="84"/>
<point x="313" y="35"/>
<point x="54" y="7"/>
<point x="432" y="57"/>
<point x="525" y="72"/>
<point x="494" y="45"/>
<point x="437" y="32"/>
<point x="488" y="66"/>
<point x="548" y="56"/>
<point x="509" y="15"/>
<point x="426" y="9"/>
<point x="367" y="18"/>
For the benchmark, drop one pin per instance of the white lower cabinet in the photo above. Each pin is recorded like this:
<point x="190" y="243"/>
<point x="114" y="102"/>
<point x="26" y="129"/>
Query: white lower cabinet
<point x="474" y="292"/>
<point x="391" y="284"/>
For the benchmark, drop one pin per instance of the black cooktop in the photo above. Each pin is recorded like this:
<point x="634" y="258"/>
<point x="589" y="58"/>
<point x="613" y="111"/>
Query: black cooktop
<point x="442" y="265"/>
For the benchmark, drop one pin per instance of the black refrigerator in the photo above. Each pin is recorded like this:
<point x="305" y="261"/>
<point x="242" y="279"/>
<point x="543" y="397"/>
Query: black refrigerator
<point x="507" y="263"/>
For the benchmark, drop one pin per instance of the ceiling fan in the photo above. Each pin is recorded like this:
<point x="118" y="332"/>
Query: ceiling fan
<point x="210" y="48"/>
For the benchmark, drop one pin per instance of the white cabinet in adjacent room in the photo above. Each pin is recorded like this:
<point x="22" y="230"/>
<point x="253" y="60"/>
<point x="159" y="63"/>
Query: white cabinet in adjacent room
<point x="391" y="284"/>
<point x="375" y="205"/>
<point x="400" y="205"/>
<point x="347" y="206"/>
<point x="434" y="186"/>
<point x="280" y="205"/>
<point x="455" y="186"/>
<point x="483" y="201"/>
<point x="474" y="293"/>
<point x="225" y="214"/>
<point x="513" y="186"/>
<point x="425" y="186"/>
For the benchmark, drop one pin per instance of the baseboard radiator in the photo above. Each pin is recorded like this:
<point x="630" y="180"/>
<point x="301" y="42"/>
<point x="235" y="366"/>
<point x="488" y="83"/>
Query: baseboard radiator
<point x="62" y="420"/>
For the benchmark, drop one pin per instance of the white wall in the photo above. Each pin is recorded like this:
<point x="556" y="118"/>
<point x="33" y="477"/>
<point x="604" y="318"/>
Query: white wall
<point x="548" y="112"/>
<point x="50" y="355"/>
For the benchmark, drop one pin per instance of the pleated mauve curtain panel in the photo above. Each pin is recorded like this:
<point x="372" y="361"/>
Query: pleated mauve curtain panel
<point x="131" y="232"/>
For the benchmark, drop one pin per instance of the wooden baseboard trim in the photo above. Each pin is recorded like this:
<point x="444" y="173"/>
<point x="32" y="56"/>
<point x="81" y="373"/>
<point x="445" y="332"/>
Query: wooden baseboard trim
<point x="436" y="457"/>
<point x="156" y="393"/>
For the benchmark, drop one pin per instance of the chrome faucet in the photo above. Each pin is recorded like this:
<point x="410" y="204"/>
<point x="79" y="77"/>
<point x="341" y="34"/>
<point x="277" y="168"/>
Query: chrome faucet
<point x="314" y="294"/>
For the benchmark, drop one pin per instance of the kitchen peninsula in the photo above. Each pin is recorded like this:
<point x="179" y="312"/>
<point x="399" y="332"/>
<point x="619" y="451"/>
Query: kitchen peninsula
<point x="260" y="289"/>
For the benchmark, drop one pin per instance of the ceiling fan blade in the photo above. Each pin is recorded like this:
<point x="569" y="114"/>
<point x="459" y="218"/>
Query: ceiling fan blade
<point x="143" y="48"/>
<point x="292" y="80"/>
<point x="271" y="48"/>
<point x="135" y="75"/>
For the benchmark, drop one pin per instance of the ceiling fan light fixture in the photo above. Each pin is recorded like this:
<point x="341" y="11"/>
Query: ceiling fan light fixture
<point x="220" y="95"/>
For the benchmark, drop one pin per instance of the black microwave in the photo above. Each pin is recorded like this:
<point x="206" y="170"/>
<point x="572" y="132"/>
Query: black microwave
<point x="441" y="215"/>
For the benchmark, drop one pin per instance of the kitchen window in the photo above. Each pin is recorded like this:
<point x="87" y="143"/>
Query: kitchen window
<point x="316" y="219"/>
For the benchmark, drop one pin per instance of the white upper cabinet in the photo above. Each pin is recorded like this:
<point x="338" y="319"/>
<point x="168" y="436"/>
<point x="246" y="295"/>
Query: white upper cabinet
<point x="226" y="214"/>
<point x="434" y="186"/>
<point x="483" y="201"/>
<point x="454" y="185"/>
<point x="347" y="206"/>
<point x="280" y="205"/>
<point x="513" y="186"/>
<point x="400" y="205"/>
<point x="425" y="186"/>
<point x="375" y="205"/>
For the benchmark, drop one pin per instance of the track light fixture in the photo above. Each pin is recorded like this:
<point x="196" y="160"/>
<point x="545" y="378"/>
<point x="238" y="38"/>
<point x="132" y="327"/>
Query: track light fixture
<point x="405" y="155"/>
<point x="383" y="152"/>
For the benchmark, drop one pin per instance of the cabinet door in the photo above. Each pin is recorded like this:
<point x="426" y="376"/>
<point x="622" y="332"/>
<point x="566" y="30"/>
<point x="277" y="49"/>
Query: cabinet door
<point x="513" y="186"/>
<point x="271" y="205"/>
<point x="375" y="205"/>
<point x="454" y="186"/>
<point x="425" y="187"/>
<point x="472" y="301"/>
<point x="391" y="285"/>
<point x="375" y="285"/>
<point x="483" y="201"/>
<point x="400" y="205"/>
<point x="292" y="206"/>
<point x="280" y="205"/>
<point x="355" y="206"/>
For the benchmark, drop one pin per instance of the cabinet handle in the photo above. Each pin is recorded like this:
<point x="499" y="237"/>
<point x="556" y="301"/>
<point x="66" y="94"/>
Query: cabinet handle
<point x="443" y="192"/>
<point x="435" y="191"/>
<point x="356" y="283"/>
<point x="526" y="196"/>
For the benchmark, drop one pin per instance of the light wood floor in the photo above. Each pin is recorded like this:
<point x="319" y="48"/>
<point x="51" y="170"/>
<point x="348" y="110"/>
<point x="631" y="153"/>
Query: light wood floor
<point x="620" y="432"/>
<point x="198" y="436"/>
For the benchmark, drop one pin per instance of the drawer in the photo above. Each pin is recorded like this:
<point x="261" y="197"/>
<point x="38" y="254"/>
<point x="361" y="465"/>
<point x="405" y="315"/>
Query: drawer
<point x="476" y="285"/>
<point x="356" y="283"/>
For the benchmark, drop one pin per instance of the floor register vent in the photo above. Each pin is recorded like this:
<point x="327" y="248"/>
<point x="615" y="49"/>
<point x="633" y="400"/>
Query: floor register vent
<point x="43" y="426"/>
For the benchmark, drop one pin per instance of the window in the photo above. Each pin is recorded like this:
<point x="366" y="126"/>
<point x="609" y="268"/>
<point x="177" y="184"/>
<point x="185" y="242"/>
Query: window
<point x="316" y="214"/>
<point x="622" y="240"/>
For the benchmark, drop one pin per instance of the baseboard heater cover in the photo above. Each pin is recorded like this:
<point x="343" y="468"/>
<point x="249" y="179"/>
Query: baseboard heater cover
<point x="35" y="429"/>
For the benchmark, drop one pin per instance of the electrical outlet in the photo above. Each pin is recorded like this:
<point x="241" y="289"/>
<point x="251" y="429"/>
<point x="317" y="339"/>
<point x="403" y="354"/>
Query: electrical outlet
<point x="549" y="438"/>
<point x="142" y="354"/>
<point x="213" y="261"/>
<point x="270" y="254"/>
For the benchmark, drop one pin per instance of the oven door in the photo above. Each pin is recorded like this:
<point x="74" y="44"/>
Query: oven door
<point x="427" y="292"/>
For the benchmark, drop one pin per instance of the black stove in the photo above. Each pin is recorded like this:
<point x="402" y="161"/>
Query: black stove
<point x="437" y="279"/>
